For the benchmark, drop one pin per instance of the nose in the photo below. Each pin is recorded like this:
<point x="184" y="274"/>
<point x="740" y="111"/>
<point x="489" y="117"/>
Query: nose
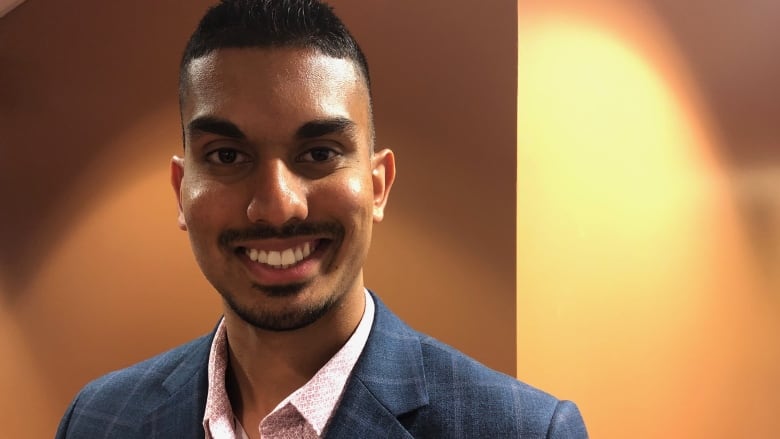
<point x="279" y="195"/>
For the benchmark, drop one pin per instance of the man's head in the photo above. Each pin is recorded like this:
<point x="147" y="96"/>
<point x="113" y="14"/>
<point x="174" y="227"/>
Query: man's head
<point x="279" y="184"/>
<point x="272" y="24"/>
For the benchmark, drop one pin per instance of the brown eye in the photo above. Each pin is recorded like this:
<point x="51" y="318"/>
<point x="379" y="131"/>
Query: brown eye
<point x="318" y="155"/>
<point x="226" y="156"/>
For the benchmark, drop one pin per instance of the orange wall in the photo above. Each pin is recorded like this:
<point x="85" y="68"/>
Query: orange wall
<point x="648" y="247"/>
<point x="94" y="274"/>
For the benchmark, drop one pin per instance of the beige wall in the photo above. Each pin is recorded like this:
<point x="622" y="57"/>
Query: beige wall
<point x="94" y="274"/>
<point x="649" y="213"/>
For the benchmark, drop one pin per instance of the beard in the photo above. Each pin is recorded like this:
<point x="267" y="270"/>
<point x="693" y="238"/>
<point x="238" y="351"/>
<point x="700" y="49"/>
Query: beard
<point x="288" y="320"/>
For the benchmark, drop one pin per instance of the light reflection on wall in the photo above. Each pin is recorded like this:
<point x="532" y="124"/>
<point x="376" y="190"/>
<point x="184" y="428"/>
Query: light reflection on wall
<point x="638" y="294"/>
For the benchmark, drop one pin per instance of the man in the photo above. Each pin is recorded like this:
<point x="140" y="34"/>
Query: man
<point x="279" y="187"/>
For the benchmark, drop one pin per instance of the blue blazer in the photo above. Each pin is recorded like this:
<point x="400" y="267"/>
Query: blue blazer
<point x="405" y="385"/>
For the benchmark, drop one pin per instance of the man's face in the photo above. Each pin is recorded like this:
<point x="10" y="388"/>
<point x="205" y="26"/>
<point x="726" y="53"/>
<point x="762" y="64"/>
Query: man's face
<point x="278" y="187"/>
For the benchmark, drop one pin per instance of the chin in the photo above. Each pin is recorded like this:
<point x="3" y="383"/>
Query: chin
<point x="288" y="317"/>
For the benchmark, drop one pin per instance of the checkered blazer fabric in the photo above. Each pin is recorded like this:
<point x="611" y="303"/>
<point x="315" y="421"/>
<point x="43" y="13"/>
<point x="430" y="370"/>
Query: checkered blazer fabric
<point x="405" y="385"/>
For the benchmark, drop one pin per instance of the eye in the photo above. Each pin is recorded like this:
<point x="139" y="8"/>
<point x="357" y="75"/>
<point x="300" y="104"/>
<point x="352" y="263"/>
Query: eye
<point x="319" y="154"/>
<point x="226" y="156"/>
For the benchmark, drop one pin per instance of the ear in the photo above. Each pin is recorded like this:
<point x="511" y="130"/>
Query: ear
<point x="382" y="176"/>
<point x="177" y="173"/>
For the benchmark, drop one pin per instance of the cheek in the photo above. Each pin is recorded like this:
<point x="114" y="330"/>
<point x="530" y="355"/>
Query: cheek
<point x="357" y="193"/>
<point x="347" y="200"/>
<point x="205" y="206"/>
<point x="193" y="197"/>
<point x="356" y="187"/>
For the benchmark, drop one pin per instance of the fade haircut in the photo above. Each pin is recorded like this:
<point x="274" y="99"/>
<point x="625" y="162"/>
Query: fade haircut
<point x="270" y="24"/>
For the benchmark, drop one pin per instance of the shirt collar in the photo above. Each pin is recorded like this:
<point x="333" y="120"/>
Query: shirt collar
<point x="316" y="400"/>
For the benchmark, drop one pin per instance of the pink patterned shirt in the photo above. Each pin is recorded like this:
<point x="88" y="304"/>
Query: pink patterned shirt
<point x="303" y="414"/>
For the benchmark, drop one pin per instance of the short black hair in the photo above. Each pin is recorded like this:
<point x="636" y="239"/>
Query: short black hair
<point x="268" y="24"/>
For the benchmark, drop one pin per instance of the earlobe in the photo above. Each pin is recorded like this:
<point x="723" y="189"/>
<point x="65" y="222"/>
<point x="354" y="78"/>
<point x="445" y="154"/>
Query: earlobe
<point x="382" y="176"/>
<point x="177" y="174"/>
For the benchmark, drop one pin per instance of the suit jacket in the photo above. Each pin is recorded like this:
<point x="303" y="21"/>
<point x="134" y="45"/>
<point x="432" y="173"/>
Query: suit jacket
<point x="405" y="385"/>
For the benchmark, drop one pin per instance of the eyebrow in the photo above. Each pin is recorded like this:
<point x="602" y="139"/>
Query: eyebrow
<point x="215" y="125"/>
<point x="323" y="127"/>
<point x="309" y="130"/>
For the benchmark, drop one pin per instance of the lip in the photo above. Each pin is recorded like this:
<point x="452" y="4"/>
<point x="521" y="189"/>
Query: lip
<point x="300" y="272"/>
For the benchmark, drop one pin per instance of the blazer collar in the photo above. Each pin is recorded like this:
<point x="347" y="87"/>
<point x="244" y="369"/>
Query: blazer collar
<point x="388" y="381"/>
<point x="181" y="412"/>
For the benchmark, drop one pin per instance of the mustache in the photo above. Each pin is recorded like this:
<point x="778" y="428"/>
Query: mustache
<point x="331" y="230"/>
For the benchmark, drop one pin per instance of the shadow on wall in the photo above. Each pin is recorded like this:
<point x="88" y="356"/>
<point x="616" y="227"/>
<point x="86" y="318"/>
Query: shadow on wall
<point x="730" y="50"/>
<point x="757" y="191"/>
<point x="64" y="95"/>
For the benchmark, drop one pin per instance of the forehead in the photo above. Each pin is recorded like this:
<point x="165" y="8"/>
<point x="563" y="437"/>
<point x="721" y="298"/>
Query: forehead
<point x="274" y="85"/>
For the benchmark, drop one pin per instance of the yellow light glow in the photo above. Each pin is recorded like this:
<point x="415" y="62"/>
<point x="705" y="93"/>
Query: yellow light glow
<point x="634" y="288"/>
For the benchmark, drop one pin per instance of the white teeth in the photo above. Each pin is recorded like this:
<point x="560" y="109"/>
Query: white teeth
<point x="281" y="259"/>
<point x="288" y="257"/>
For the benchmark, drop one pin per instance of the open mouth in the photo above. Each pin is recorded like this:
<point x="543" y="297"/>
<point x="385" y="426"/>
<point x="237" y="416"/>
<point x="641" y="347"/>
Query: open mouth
<point x="283" y="258"/>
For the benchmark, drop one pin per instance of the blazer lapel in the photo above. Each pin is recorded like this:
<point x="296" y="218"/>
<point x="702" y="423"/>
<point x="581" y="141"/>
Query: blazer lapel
<point x="388" y="381"/>
<point x="181" y="413"/>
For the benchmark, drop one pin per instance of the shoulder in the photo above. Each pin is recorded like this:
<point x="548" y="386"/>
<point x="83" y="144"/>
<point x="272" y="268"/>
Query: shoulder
<point x="144" y="379"/>
<point x="119" y="401"/>
<point x="478" y="399"/>
<point x="454" y="394"/>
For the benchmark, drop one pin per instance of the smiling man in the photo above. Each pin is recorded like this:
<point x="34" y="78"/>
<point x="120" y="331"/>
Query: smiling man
<point x="279" y="187"/>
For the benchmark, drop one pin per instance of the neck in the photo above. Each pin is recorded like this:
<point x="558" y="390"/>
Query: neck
<point x="267" y="366"/>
